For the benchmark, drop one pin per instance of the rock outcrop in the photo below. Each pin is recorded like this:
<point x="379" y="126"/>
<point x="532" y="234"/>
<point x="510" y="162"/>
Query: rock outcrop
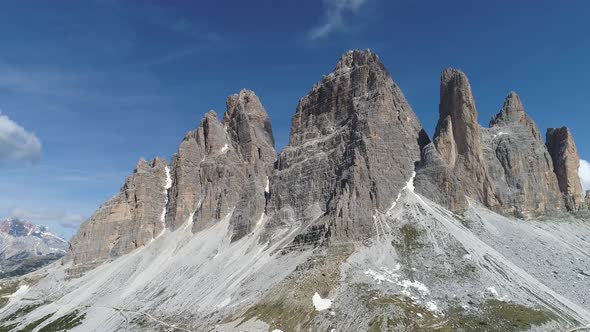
<point x="353" y="146"/>
<point x="221" y="170"/>
<point x="224" y="167"/>
<point x="566" y="163"/>
<point x="518" y="163"/>
<point x="435" y="180"/>
<point x="458" y="136"/>
<point x="506" y="167"/>
<point x="130" y="219"/>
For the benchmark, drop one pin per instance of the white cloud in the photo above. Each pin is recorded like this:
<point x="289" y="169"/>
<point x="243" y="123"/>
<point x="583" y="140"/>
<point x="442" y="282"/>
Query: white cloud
<point x="16" y="143"/>
<point x="334" y="16"/>
<point x="584" y="173"/>
<point x="65" y="219"/>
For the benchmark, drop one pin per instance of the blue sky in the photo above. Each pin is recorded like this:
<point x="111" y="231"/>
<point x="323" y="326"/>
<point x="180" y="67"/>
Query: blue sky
<point x="89" y="87"/>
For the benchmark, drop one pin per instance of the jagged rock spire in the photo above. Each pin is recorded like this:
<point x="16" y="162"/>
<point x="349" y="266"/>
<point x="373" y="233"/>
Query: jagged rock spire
<point x="221" y="170"/>
<point x="457" y="137"/>
<point x="566" y="162"/>
<point x="518" y="163"/>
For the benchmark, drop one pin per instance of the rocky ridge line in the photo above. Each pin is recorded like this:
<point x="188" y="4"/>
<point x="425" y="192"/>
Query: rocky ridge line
<point x="355" y="143"/>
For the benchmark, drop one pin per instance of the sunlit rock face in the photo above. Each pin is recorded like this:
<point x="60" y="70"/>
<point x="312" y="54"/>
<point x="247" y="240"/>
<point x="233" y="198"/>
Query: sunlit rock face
<point x="353" y="146"/>
<point x="566" y="163"/>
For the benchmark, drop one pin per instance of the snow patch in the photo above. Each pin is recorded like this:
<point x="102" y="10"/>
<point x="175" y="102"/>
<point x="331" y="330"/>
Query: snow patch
<point x="20" y="291"/>
<point x="167" y="186"/>
<point x="224" y="303"/>
<point x="267" y="187"/>
<point x="260" y="220"/>
<point x="432" y="307"/>
<point x="420" y="287"/>
<point x="225" y="148"/>
<point x="492" y="291"/>
<point x="319" y="303"/>
<point x="409" y="187"/>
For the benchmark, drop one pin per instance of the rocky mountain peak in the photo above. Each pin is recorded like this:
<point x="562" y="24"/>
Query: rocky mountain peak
<point x="458" y="136"/>
<point x="566" y="162"/>
<point x="353" y="145"/>
<point x="248" y="124"/>
<point x="512" y="111"/>
<point x="357" y="58"/>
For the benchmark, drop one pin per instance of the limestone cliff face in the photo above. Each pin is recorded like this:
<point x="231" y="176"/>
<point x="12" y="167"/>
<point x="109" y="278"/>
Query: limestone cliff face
<point x="458" y="136"/>
<point x="353" y="146"/>
<point x="507" y="166"/>
<point x="566" y="163"/>
<point x="518" y="163"/>
<point x="437" y="181"/>
<point x="131" y="219"/>
<point x="224" y="167"/>
<point x="221" y="167"/>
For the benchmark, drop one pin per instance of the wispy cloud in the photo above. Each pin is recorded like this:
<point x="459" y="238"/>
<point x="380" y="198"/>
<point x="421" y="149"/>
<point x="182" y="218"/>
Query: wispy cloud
<point x="584" y="173"/>
<point x="16" y="143"/>
<point x="335" y="12"/>
<point x="64" y="219"/>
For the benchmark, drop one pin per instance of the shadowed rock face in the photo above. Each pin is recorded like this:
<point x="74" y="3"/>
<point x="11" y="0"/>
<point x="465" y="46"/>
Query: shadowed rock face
<point x="518" y="163"/>
<point x="436" y="180"/>
<point x="458" y="139"/>
<point x="353" y="145"/>
<point x="507" y="166"/>
<point x="566" y="163"/>
<point x="222" y="166"/>
<point x="131" y="219"/>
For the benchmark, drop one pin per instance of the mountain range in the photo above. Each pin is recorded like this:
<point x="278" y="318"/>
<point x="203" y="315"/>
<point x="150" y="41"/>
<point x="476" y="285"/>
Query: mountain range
<point x="361" y="223"/>
<point x="25" y="247"/>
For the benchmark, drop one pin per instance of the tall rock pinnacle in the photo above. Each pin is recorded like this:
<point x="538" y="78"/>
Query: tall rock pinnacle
<point x="518" y="163"/>
<point x="566" y="163"/>
<point x="353" y="146"/>
<point x="457" y="136"/>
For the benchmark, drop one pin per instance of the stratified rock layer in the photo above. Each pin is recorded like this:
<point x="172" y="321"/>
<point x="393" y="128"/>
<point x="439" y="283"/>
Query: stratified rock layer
<point x="518" y="163"/>
<point x="458" y="139"/>
<point x="507" y="166"/>
<point x="435" y="180"/>
<point x="221" y="168"/>
<point x="224" y="167"/>
<point x="353" y="146"/>
<point x="566" y="163"/>
<point x="131" y="219"/>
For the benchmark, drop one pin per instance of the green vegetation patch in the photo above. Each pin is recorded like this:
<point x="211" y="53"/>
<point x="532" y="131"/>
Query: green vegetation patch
<point x="8" y="328"/>
<point x="22" y="311"/>
<point x="282" y="315"/>
<point x="491" y="316"/>
<point x="64" y="323"/>
<point x="495" y="315"/>
<point x="33" y="325"/>
<point x="8" y="288"/>
<point x="289" y="306"/>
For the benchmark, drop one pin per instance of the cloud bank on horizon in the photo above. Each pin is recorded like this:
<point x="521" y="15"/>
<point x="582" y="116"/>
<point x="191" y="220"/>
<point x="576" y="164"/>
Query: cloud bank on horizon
<point x="584" y="173"/>
<point x="335" y="12"/>
<point x="16" y="143"/>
